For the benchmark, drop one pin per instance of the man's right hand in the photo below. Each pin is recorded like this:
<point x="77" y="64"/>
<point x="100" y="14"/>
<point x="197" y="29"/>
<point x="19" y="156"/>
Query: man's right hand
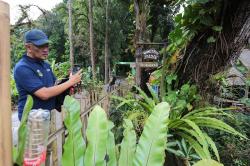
<point x="76" y="78"/>
<point x="45" y="93"/>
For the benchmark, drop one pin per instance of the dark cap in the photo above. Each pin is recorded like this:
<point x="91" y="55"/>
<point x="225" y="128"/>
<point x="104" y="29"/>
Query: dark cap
<point x="36" y="37"/>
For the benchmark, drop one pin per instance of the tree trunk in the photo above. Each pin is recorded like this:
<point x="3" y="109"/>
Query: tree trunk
<point x="141" y="14"/>
<point x="71" y="55"/>
<point x="91" y="39"/>
<point x="136" y="40"/>
<point x="202" y="59"/>
<point x="106" y="45"/>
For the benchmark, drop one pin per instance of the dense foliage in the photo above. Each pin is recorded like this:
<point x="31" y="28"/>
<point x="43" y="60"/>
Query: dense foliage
<point x="184" y="24"/>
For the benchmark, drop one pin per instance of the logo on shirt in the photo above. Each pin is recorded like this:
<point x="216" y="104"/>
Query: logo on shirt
<point x="39" y="73"/>
<point x="48" y="70"/>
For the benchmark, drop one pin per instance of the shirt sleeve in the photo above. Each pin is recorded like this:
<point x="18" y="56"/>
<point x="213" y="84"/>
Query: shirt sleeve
<point x="28" y="79"/>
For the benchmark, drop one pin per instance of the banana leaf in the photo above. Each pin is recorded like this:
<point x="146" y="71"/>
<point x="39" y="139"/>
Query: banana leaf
<point x="97" y="135"/>
<point x="22" y="132"/>
<point x="111" y="149"/>
<point x="152" y="143"/>
<point x="74" y="146"/>
<point x="207" y="162"/>
<point x="128" y="144"/>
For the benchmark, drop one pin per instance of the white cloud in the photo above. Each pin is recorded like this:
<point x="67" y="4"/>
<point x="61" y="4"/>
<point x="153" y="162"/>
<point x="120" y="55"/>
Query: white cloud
<point x="34" y="12"/>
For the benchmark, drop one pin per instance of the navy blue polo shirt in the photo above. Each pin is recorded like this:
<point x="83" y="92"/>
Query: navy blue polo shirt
<point x="30" y="75"/>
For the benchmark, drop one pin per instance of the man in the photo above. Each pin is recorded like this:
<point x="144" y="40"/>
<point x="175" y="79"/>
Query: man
<point x="34" y="76"/>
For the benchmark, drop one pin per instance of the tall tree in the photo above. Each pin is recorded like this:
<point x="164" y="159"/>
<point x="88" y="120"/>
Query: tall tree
<point x="141" y="13"/>
<point x="107" y="45"/>
<point x="70" y="34"/>
<point x="91" y="38"/>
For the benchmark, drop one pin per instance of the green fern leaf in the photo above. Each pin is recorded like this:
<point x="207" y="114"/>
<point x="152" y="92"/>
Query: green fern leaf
<point x="111" y="153"/>
<point x="74" y="146"/>
<point x="216" y="124"/>
<point x="97" y="135"/>
<point x="152" y="143"/>
<point x="128" y="144"/>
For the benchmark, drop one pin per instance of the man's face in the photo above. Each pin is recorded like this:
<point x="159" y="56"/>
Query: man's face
<point x="37" y="52"/>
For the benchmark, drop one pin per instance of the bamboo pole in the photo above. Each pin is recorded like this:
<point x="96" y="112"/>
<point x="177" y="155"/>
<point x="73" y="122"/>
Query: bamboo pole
<point x="5" y="106"/>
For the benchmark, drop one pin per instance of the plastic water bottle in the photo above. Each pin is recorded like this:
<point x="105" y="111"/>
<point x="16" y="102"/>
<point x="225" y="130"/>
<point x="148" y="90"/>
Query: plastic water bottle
<point x="36" y="138"/>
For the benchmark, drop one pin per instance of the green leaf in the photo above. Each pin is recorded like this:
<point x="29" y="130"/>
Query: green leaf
<point x="196" y="1"/>
<point x="176" y="152"/>
<point x="207" y="162"/>
<point x="74" y="146"/>
<point x="213" y="146"/>
<point x="170" y="78"/>
<point x="196" y="128"/>
<point x="128" y="144"/>
<point x="248" y="82"/>
<point x="194" y="134"/>
<point x="245" y="101"/>
<point x="22" y="131"/>
<point x="97" y="135"/>
<point x="211" y="39"/>
<point x="206" y="20"/>
<point x="147" y="99"/>
<point x="184" y="146"/>
<point x="111" y="149"/>
<point x="152" y="143"/>
<point x="193" y="143"/>
<point x="216" y="124"/>
<point x="207" y="111"/>
<point x="217" y="28"/>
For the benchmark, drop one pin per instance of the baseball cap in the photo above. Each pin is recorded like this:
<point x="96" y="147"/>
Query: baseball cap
<point x="36" y="37"/>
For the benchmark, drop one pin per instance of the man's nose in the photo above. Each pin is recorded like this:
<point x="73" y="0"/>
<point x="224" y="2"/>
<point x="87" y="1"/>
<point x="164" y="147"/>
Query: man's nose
<point x="45" y="49"/>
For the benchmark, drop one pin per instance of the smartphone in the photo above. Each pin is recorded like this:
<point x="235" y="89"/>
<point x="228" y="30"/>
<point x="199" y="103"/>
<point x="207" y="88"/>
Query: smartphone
<point x="76" y="68"/>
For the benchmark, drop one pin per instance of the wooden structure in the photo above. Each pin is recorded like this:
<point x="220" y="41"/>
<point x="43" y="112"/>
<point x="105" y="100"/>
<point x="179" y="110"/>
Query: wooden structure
<point x="142" y="56"/>
<point x="5" y="115"/>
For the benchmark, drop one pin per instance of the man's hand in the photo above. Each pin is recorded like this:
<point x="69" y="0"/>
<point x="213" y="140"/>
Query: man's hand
<point x="76" y="78"/>
<point x="45" y="93"/>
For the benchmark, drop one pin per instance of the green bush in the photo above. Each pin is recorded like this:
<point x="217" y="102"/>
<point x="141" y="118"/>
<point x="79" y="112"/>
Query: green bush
<point x="234" y="150"/>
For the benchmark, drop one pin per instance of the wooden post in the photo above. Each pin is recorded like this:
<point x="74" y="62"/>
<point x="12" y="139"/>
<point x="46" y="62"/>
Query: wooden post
<point x="138" y="55"/>
<point x="54" y="144"/>
<point x="163" y="76"/>
<point x="5" y="100"/>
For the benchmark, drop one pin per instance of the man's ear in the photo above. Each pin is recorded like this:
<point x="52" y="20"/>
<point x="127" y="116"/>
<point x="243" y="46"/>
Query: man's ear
<point x="27" y="46"/>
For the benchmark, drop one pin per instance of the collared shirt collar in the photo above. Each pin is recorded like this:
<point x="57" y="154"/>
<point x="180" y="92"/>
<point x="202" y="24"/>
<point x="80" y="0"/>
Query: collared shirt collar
<point x="25" y="56"/>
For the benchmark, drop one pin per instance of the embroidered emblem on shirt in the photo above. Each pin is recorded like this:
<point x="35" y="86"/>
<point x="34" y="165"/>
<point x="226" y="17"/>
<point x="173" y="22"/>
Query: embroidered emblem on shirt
<point x="48" y="70"/>
<point x="39" y="73"/>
